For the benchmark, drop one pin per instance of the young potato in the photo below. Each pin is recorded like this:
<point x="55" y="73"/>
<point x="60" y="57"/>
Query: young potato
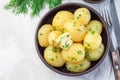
<point x="82" y="15"/>
<point x="43" y="35"/>
<point x="52" y="38"/>
<point x="53" y="56"/>
<point x="64" y="40"/>
<point x="60" y="18"/>
<point x="94" y="55"/>
<point x="95" y="26"/>
<point x="75" y="53"/>
<point x="78" y="67"/>
<point x="92" y="40"/>
<point x="76" y="30"/>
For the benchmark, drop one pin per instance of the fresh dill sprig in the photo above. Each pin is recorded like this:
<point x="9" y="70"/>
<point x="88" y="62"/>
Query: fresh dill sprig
<point x="36" y="6"/>
<point x="18" y="6"/>
<point x="53" y="3"/>
<point x="22" y="6"/>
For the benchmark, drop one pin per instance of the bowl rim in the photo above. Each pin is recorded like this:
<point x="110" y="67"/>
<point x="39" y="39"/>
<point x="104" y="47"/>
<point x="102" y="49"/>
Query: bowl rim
<point x="94" y="2"/>
<point x="102" y="58"/>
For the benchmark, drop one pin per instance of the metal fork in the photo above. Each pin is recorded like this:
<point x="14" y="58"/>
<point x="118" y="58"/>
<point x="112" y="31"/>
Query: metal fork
<point x="105" y="13"/>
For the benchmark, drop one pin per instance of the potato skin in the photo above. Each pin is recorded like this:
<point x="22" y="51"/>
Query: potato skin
<point x="92" y="40"/>
<point x="52" y="38"/>
<point x="94" y="55"/>
<point x="95" y="26"/>
<point x="43" y="35"/>
<point x="76" y="30"/>
<point x="78" y="67"/>
<point x="53" y="56"/>
<point x="60" y="18"/>
<point x="75" y="53"/>
<point x="82" y="15"/>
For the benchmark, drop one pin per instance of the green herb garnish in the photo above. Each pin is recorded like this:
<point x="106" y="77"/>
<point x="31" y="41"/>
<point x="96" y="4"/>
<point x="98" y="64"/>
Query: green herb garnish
<point x="54" y="27"/>
<point x="92" y="32"/>
<point x="79" y="51"/>
<point x="78" y="16"/>
<point x="53" y="41"/>
<point x="97" y="28"/>
<point x="75" y="67"/>
<point x="81" y="65"/>
<point x="69" y="68"/>
<point x="18" y="6"/>
<point x="88" y="44"/>
<point x="67" y="35"/>
<point x="87" y="56"/>
<point x="57" y="18"/>
<point x="52" y="59"/>
<point x="72" y="58"/>
<point x="78" y="30"/>
<point x="66" y="45"/>
<point x="74" y="24"/>
<point x="50" y="30"/>
<point x="41" y="33"/>
<point x="56" y="57"/>
<point x="35" y="6"/>
<point x="54" y="49"/>
<point x="63" y="29"/>
<point x="89" y="29"/>
<point x="88" y="13"/>
<point x="53" y="3"/>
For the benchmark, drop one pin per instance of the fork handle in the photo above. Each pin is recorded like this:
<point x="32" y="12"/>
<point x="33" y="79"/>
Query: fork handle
<point x="119" y="51"/>
<point x="116" y="65"/>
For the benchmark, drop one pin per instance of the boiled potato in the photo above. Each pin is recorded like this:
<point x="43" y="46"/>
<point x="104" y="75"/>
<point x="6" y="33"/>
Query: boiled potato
<point x="52" y="38"/>
<point x="75" y="53"/>
<point x="43" y="35"/>
<point x="53" y="56"/>
<point x="82" y="15"/>
<point x="94" y="55"/>
<point x="64" y="40"/>
<point x="92" y="40"/>
<point x="76" y="30"/>
<point x="60" y="18"/>
<point x="94" y="26"/>
<point x="78" y="67"/>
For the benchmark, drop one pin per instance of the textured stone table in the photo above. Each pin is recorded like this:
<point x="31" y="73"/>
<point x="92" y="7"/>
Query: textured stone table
<point x="18" y="57"/>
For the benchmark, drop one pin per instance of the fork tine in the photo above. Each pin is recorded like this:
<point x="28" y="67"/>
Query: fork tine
<point x="108" y="14"/>
<point x="106" y="17"/>
<point x="100" y="10"/>
<point x="104" y="14"/>
<point x="104" y="11"/>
